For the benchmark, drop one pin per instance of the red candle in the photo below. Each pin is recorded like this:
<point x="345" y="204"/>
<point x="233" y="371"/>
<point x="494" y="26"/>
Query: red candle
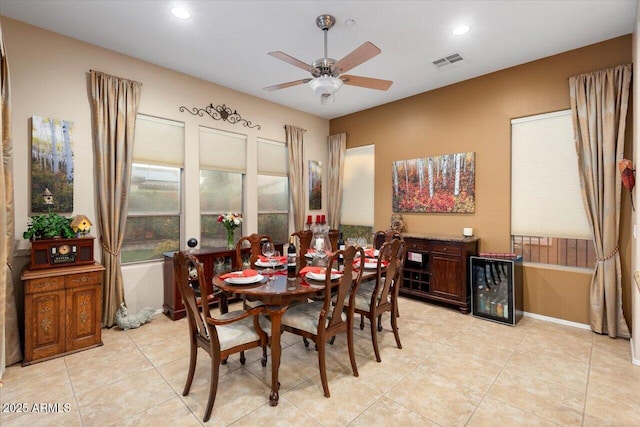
<point x="323" y="220"/>
<point x="308" y="219"/>
<point x="317" y="219"/>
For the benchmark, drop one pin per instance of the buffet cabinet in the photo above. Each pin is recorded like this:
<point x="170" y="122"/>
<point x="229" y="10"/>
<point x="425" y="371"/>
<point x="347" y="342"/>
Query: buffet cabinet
<point x="437" y="269"/>
<point x="62" y="310"/>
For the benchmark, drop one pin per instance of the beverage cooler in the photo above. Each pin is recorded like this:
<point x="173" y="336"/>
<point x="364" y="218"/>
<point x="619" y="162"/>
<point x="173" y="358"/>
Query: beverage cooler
<point x="496" y="287"/>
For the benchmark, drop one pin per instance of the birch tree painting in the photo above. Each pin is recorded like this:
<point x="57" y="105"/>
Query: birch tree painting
<point x="51" y="163"/>
<point x="435" y="184"/>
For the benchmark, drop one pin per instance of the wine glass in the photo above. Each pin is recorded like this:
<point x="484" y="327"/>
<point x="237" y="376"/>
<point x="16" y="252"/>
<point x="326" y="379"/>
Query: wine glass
<point x="274" y="260"/>
<point x="268" y="250"/>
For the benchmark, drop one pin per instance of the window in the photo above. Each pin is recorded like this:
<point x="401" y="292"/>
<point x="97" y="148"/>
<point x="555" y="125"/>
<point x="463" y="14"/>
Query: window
<point x="356" y="219"/>
<point x="223" y="166"/>
<point x="154" y="211"/>
<point x="548" y="221"/>
<point x="273" y="190"/>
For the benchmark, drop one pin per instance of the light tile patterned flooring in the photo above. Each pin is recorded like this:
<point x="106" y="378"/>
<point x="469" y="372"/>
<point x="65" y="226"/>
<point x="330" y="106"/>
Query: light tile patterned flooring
<point x="453" y="370"/>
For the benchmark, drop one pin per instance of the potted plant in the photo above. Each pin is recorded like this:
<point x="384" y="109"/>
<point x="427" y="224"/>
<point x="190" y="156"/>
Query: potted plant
<point x="49" y="226"/>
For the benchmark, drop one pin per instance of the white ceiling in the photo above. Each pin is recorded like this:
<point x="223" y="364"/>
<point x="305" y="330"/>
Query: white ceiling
<point x="226" y="42"/>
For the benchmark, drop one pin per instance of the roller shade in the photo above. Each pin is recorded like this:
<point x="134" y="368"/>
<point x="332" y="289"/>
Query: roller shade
<point x="223" y="151"/>
<point x="545" y="187"/>
<point x="158" y="141"/>
<point x="272" y="158"/>
<point x="358" y="186"/>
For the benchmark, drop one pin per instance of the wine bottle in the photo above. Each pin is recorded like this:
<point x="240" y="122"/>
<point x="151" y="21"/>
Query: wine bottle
<point x="291" y="257"/>
<point x="341" y="245"/>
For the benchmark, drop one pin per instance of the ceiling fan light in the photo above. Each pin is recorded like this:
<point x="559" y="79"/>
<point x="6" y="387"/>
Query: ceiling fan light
<point x="325" y="85"/>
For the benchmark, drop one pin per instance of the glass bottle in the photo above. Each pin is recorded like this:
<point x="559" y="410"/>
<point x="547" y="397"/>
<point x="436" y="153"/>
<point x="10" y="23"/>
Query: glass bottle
<point x="291" y="257"/>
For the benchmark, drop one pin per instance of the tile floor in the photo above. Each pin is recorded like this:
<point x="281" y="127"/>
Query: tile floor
<point x="453" y="370"/>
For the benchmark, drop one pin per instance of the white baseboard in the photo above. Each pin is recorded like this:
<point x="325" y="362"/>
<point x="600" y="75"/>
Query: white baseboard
<point x="634" y="357"/>
<point x="556" y="320"/>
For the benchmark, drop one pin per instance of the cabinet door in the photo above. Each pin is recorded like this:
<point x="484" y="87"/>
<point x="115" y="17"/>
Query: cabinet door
<point x="44" y="321"/>
<point x="446" y="277"/>
<point x="83" y="316"/>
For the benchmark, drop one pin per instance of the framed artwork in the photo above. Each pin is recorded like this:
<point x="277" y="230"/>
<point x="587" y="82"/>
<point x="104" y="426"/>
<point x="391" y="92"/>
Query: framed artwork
<point x="440" y="184"/>
<point x="51" y="164"/>
<point x="315" y="185"/>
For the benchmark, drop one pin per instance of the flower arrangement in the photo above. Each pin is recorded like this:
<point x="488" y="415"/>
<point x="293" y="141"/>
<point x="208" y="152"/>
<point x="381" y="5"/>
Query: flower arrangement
<point x="230" y="221"/>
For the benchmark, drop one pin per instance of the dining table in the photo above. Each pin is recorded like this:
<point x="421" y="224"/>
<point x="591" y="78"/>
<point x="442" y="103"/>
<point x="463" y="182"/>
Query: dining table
<point x="277" y="290"/>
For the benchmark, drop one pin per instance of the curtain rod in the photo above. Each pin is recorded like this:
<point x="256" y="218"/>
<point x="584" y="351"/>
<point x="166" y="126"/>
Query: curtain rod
<point x="118" y="77"/>
<point x="285" y="126"/>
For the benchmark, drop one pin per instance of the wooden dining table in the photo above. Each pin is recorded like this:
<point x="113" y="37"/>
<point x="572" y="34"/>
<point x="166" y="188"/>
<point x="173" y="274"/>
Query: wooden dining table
<point x="277" y="291"/>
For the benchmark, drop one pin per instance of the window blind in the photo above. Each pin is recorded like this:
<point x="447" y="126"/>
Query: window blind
<point x="358" y="186"/>
<point x="158" y="141"/>
<point x="223" y="151"/>
<point x="272" y="158"/>
<point x="545" y="187"/>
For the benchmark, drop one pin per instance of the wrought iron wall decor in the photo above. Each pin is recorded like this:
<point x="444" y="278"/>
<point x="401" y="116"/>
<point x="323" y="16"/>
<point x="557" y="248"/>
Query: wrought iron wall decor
<point x="221" y="112"/>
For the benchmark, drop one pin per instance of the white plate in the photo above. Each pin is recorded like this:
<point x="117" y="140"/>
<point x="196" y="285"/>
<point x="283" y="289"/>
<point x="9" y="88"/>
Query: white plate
<point x="371" y="265"/>
<point x="241" y="280"/>
<point x="308" y="255"/>
<point x="321" y="276"/>
<point x="260" y="263"/>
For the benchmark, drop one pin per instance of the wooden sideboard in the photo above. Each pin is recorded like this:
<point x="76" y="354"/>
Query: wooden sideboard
<point x="62" y="311"/>
<point x="437" y="268"/>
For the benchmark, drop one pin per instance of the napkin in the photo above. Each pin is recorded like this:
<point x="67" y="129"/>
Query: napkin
<point x="281" y="259"/>
<point x="316" y="270"/>
<point x="313" y="251"/>
<point x="244" y="273"/>
<point x="371" y="253"/>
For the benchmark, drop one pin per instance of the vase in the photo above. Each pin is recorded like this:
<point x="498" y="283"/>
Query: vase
<point x="230" y="242"/>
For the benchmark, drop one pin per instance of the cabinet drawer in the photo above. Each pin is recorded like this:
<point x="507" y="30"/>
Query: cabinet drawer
<point x="446" y="248"/>
<point x="416" y="244"/>
<point x="44" y="285"/>
<point x="83" y="279"/>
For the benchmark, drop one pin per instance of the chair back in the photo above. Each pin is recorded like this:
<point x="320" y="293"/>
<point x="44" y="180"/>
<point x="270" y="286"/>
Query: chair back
<point x="347" y="286"/>
<point x="381" y="237"/>
<point x="304" y="241"/>
<point x="334" y="235"/>
<point x="254" y="241"/>
<point x="387" y="278"/>
<point x="184" y="264"/>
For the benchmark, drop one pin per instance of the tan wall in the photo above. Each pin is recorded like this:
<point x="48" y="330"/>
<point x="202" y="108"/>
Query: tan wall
<point x="475" y="115"/>
<point x="49" y="77"/>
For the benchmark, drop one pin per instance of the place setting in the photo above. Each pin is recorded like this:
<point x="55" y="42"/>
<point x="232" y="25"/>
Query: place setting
<point x="318" y="274"/>
<point x="242" y="277"/>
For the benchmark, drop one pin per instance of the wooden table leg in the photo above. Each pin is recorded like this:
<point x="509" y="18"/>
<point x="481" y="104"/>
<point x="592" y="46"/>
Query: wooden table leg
<point x="275" y="314"/>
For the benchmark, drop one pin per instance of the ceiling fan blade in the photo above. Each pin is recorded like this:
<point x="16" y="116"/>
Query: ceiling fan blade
<point x="367" y="82"/>
<point x="291" y="60"/>
<point x="364" y="53"/>
<point x="285" y="85"/>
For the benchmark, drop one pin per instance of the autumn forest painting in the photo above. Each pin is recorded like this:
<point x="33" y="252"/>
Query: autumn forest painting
<point x="51" y="164"/>
<point x="435" y="184"/>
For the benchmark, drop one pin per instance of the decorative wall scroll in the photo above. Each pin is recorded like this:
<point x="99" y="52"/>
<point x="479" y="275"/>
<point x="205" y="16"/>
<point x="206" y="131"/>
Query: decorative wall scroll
<point x="51" y="164"/>
<point x="435" y="184"/>
<point x="315" y="185"/>
<point x="220" y="112"/>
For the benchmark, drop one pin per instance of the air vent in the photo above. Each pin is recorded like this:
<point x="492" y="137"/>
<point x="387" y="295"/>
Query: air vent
<point x="448" y="60"/>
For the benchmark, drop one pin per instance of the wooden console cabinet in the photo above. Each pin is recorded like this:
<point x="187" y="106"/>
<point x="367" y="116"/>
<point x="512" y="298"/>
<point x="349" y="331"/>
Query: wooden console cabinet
<point x="437" y="268"/>
<point x="62" y="310"/>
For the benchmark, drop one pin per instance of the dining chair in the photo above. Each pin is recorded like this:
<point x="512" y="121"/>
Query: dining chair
<point x="334" y="236"/>
<point x="383" y="236"/>
<point x="304" y="242"/>
<point x="221" y="336"/>
<point x="323" y="319"/>
<point x="375" y="297"/>
<point x="255" y="242"/>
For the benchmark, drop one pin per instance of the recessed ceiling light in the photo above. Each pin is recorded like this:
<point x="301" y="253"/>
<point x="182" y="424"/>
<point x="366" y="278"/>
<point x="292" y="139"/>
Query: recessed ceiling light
<point x="349" y="22"/>
<point x="181" y="12"/>
<point x="460" y="30"/>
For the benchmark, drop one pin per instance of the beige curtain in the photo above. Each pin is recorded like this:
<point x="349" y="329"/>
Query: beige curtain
<point x="296" y="173"/>
<point x="599" y="103"/>
<point x="337" y="149"/>
<point x="114" y="103"/>
<point x="9" y="336"/>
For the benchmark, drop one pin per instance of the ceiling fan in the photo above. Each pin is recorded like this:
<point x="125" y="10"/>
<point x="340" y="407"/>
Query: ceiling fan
<point x="327" y="72"/>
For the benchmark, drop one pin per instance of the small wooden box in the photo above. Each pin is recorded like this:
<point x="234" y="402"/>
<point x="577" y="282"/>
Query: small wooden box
<point x="53" y="253"/>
